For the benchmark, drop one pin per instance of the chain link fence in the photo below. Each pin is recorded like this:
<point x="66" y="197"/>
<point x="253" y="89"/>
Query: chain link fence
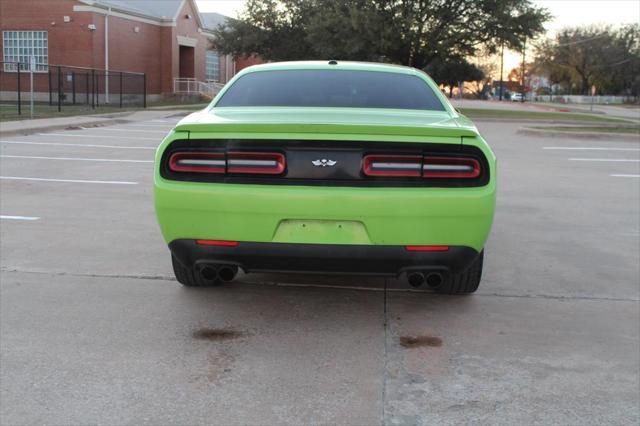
<point x="64" y="90"/>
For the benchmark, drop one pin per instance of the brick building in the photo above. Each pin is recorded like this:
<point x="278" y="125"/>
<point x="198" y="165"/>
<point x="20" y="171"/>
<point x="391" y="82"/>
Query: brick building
<point x="165" y="39"/>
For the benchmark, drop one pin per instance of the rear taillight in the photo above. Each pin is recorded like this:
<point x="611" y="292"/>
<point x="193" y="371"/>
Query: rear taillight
<point x="450" y="167"/>
<point x="393" y="165"/>
<point x="434" y="167"/>
<point x="198" y="162"/>
<point x="272" y="163"/>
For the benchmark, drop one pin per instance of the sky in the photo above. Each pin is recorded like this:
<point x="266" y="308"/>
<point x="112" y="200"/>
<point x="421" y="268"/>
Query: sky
<point x="565" y="13"/>
<point x="224" y="7"/>
<point x="586" y="12"/>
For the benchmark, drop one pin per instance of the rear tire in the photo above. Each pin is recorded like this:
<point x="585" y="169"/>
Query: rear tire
<point x="464" y="282"/>
<point x="190" y="277"/>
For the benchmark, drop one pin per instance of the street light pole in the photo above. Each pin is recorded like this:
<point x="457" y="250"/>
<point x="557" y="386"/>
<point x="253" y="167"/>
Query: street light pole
<point x="106" y="56"/>
<point x="501" y="68"/>
<point x="524" y="50"/>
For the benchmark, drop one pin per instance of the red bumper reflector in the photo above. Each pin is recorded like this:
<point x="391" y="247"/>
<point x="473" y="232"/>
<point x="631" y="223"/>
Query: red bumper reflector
<point x="427" y="248"/>
<point x="217" y="243"/>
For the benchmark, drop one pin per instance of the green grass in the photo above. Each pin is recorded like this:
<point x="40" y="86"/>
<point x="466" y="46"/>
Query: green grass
<point x="9" y="111"/>
<point x="592" y="129"/>
<point x="533" y="115"/>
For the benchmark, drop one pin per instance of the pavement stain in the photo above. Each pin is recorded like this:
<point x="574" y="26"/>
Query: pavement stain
<point x="411" y="342"/>
<point x="219" y="364"/>
<point x="216" y="334"/>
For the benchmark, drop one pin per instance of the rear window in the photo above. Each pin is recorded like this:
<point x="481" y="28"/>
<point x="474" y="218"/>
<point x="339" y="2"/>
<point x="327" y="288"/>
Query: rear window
<point x="331" y="88"/>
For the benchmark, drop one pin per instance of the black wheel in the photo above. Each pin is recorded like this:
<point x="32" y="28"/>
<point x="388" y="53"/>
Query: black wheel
<point x="191" y="277"/>
<point x="464" y="282"/>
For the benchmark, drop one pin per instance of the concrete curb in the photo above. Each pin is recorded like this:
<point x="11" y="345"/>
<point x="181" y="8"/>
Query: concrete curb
<point x="52" y="128"/>
<point x="61" y="123"/>
<point x="548" y="121"/>
<point x="27" y="127"/>
<point x="578" y="135"/>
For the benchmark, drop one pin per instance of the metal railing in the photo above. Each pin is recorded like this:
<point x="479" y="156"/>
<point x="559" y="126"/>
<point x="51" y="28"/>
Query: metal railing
<point x="191" y="86"/>
<point x="56" y="87"/>
<point x="585" y="99"/>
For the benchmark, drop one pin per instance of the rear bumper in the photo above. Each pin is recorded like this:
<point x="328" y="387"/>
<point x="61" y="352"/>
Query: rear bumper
<point x="380" y="216"/>
<point x="323" y="258"/>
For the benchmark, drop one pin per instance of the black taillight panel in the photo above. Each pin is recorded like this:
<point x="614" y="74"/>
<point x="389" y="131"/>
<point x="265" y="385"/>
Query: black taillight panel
<point x="325" y="163"/>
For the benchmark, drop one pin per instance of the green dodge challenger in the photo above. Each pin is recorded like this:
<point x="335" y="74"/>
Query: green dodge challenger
<point x="329" y="167"/>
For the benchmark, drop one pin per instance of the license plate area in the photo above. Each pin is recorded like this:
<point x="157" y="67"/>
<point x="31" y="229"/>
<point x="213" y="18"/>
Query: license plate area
<point x="321" y="232"/>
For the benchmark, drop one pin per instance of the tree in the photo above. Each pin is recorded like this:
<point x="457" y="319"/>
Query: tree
<point x="481" y="89"/>
<point x="408" y="32"/>
<point x="515" y="75"/>
<point x="453" y="72"/>
<point x="277" y="30"/>
<point x="604" y="57"/>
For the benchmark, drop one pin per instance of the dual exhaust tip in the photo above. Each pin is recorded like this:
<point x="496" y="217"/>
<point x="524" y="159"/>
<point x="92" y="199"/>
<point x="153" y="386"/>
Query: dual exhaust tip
<point x="226" y="273"/>
<point x="418" y="279"/>
<point x="223" y="273"/>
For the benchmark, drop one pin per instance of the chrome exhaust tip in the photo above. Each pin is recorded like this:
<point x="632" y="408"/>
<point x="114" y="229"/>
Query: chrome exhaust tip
<point x="208" y="273"/>
<point x="416" y="279"/>
<point x="227" y="273"/>
<point x="434" y="279"/>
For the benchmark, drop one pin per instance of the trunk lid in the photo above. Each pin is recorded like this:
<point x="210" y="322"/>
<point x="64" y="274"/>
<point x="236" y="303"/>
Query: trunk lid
<point x="361" y="121"/>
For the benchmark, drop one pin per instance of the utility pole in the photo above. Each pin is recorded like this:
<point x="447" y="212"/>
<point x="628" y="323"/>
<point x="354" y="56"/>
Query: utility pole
<point x="32" y="68"/>
<point x="106" y="56"/>
<point x="501" y="68"/>
<point x="524" y="50"/>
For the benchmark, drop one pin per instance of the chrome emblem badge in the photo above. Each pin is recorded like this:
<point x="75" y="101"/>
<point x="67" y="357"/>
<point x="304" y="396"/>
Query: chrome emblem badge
<point x="324" y="163"/>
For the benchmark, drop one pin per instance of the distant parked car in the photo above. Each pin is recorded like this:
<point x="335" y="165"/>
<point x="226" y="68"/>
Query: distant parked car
<point x="516" y="97"/>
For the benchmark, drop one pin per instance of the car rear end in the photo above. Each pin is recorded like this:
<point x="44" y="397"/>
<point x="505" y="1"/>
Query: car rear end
<point x="317" y="189"/>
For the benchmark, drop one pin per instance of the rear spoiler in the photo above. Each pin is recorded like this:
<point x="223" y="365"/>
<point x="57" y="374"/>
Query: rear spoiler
<point x="317" y="128"/>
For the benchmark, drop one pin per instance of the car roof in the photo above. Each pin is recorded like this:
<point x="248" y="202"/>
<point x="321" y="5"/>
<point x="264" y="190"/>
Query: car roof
<point x="333" y="65"/>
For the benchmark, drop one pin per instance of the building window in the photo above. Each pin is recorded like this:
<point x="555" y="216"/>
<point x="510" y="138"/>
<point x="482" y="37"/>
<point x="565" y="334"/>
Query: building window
<point x="19" y="46"/>
<point x="212" y="66"/>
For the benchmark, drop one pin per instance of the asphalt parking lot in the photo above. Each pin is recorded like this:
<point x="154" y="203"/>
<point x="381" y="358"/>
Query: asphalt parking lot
<point x="94" y="330"/>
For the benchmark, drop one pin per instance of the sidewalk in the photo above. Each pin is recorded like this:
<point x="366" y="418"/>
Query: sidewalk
<point x="629" y="114"/>
<point x="40" y="125"/>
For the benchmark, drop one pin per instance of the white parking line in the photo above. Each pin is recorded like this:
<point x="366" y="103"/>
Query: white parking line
<point x="626" y="176"/>
<point x="584" y="148"/>
<point x="77" y="144"/>
<point x="76" y="159"/>
<point x="119" y="130"/>
<point x="623" y="160"/>
<point x="155" y="126"/>
<point x="19" y="217"/>
<point x="111" y="182"/>
<point x="91" y="135"/>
